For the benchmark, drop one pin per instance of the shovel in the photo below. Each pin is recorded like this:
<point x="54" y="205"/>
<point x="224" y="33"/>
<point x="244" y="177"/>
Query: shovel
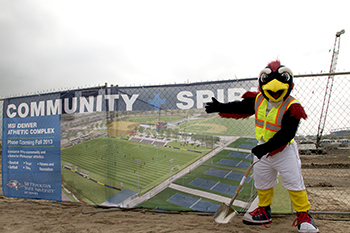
<point x="226" y="213"/>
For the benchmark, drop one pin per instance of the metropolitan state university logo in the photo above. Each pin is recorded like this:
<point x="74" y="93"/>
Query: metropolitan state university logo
<point x="14" y="184"/>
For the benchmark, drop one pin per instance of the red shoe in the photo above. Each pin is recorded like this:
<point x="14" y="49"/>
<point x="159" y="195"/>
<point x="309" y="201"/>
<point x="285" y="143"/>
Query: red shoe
<point x="305" y="223"/>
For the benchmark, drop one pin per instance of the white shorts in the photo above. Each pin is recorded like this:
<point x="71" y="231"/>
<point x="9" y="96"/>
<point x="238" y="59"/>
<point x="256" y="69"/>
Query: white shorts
<point x="286" y="163"/>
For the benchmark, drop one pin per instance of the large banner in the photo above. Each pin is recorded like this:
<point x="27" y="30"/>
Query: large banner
<point x="31" y="150"/>
<point x="152" y="147"/>
<point x="31" y="167"/>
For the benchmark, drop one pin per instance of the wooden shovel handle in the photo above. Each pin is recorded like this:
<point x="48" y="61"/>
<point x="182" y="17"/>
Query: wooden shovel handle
<point x="242" y="182"/>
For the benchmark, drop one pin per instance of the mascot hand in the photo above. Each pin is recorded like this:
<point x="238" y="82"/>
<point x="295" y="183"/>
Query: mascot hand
<point x="260" y="151"/>
<point x="212" y="106"/>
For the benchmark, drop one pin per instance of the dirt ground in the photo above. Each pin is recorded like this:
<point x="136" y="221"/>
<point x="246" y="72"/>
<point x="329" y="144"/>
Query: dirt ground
<point x="27" y="215"/>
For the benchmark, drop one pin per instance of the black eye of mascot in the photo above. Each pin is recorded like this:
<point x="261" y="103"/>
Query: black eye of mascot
<point x="276" y="82"/>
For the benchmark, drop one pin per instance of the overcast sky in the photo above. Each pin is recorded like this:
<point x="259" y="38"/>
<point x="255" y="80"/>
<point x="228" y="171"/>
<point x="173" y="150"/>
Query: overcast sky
<point x="53" y="44"/>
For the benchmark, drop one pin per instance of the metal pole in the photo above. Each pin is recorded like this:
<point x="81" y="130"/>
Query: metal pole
<point x="170" y="161"/>
<point x="121" y="187"/>
<point x="137" y="161"/>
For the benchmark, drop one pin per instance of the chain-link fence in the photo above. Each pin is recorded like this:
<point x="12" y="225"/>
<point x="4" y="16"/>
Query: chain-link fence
<point x="120" y="143"/>
<point x="324" y="140"/>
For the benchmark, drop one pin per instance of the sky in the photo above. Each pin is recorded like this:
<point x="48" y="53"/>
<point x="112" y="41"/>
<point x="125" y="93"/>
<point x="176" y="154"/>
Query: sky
<point x="65" y="44"/>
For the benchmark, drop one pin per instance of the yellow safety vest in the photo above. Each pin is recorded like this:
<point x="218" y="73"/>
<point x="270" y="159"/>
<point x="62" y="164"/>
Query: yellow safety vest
<point x="266" y="126"/>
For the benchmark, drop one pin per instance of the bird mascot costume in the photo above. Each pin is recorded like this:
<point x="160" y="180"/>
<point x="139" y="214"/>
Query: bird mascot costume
<point x="277" y="116"/>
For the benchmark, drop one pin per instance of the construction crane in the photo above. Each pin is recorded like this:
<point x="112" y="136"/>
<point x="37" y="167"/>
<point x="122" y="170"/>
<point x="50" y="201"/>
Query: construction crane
<point x="329" y="86"/>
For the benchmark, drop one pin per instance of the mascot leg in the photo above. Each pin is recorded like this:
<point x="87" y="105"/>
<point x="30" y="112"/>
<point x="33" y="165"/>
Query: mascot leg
<point x="301" y="204"/>
<point x="299" y="200"/>
<point x="265" y="197"/>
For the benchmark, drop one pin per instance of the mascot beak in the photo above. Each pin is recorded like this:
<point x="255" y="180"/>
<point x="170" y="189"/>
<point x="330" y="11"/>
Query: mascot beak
<point x="275" y="90"/>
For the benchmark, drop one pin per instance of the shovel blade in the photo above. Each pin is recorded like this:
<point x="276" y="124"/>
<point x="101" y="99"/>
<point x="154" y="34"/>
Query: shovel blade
<point x="224" y="214"/>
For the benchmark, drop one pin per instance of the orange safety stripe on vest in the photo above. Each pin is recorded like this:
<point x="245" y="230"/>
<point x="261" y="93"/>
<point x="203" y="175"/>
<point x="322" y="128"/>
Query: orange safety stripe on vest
<point x="262" y="121"/>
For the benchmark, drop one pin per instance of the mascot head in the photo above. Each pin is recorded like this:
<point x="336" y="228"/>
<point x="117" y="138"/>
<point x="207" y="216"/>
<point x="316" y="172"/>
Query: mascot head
<point x="276" y="82"/>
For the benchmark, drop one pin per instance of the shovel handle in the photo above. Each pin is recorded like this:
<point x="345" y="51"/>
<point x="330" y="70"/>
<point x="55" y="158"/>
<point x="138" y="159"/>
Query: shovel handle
<point x="242" y="182"/>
